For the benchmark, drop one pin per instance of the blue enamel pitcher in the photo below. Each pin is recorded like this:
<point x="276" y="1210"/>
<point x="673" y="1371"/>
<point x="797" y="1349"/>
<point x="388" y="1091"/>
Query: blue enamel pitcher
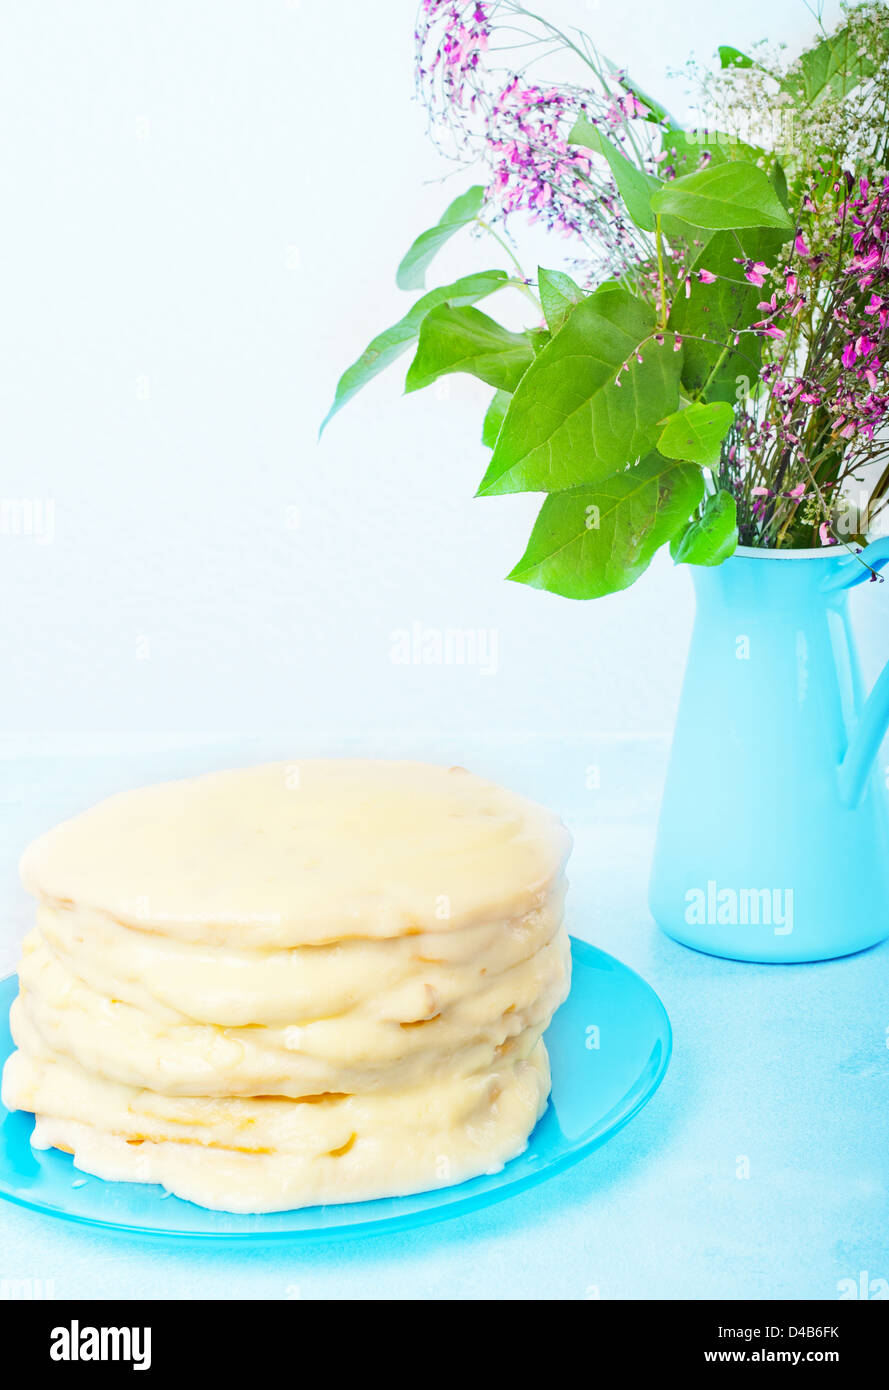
<point x="773" y="842"/>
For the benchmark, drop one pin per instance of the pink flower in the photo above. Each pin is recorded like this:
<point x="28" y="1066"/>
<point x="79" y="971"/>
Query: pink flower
<point x="849" y="354"/>
<point x="868" y="262"/>
<point x="792" y="285"/>
<point x="631" y="106"/>
<point x="756" y="272"/>
<point x="760" y="493"/>
<point x="824" y="534"/>
<point x="707" y="277"/>
<point x="798" y="491"/>
<point x="800" y="246"/>
<point x="873" y="305"/>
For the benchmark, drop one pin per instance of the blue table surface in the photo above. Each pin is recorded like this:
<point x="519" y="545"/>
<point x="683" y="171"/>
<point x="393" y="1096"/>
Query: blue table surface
<point x="758" y="1170"/>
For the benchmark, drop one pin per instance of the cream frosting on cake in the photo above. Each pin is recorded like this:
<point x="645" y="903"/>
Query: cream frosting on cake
<point x="291" y="984"/>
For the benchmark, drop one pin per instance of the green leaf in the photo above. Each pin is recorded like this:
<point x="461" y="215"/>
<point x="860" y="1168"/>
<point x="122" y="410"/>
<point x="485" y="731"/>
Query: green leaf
<point x="835" y="67"/>
<point x="696" y="433"/>
<point x="719" y="311"/>
<point x="466" y="340"/>
<point x="634" y="186"/>
<point x="733" y="57"/>
<point x="558" y="296"/>
<point x="494" y="417"/>
<point x="711" y="538"/>
<point x="411" y="273"/>
<point x="569" y="422"/>
<point x="686" y="149"/>
<point x="389" y="345"/>
<point x="595" y="540"/>
<point x="723" y="196"/>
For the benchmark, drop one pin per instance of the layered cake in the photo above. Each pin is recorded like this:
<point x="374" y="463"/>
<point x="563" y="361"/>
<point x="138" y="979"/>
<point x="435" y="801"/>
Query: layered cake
<point x="293" y="984"/>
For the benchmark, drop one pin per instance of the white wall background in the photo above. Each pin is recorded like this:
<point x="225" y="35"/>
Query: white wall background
<point x="204" y="204"/>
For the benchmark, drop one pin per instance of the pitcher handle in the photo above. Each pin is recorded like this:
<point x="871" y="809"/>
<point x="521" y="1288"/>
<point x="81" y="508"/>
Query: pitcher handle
<point x="860" y="567"/>
<point x="865" y="742"/>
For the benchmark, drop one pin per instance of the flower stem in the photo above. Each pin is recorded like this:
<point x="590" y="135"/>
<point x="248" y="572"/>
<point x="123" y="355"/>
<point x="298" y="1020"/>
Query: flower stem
<point x="659" y="237"/>
<point x="522" y="283"/>
<point x="699" y="395"/>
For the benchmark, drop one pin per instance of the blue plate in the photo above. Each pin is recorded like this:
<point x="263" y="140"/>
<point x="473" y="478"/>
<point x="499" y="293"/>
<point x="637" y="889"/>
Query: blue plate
<point x="609" y="1045"/>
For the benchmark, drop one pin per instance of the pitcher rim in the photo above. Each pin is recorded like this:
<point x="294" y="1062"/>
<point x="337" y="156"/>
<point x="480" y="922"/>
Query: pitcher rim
<point x="821" y="552"/>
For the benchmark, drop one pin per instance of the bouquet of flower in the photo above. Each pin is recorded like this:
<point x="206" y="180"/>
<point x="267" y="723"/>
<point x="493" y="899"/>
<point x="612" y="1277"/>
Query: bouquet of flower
<point x="714" y="368"/>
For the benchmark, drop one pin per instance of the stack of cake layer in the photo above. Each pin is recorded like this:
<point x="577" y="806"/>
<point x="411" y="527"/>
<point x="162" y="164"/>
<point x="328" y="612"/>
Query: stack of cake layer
<point x="293" y="984"/>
